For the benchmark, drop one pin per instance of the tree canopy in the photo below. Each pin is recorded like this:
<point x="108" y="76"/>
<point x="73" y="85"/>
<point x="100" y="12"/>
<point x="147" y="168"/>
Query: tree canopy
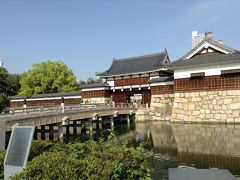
<point x="48" y="77"/>
<point x="90" y="80"/>
<point x="9" y="86"/>
<point x="3" y="80"/>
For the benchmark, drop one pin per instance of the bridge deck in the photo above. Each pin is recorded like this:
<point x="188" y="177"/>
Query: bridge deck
<point x="40" y="117"/>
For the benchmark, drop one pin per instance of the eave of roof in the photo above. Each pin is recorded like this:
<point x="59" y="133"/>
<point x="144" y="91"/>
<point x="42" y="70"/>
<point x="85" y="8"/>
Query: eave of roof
<point x="215" y="43"/>
<point x="136" y="65"/>
<point x="94" y="85"/>
<point x="205" y="60"/>
<point x="161" y="79"/>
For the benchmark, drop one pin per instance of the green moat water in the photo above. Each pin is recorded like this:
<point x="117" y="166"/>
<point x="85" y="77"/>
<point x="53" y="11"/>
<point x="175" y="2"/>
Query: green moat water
<point x="184" y="145"/>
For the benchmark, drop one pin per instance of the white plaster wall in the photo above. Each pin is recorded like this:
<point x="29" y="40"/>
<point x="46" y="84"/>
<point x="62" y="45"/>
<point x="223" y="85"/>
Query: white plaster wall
<point x="209" y="71"/>
<point x="111" y="83"/>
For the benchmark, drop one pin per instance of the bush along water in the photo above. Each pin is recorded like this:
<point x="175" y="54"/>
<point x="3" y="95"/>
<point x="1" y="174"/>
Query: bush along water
<point x="87" y="160"/>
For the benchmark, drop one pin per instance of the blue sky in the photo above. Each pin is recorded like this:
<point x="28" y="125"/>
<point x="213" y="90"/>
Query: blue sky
<point x="86" y="35"/>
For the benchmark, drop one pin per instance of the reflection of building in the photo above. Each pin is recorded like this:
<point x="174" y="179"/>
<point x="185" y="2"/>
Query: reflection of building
<point x="208" y="145"/>
<point x="197" y="145"/>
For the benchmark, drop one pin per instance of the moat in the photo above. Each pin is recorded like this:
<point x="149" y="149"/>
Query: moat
<point x="185" y="145"/>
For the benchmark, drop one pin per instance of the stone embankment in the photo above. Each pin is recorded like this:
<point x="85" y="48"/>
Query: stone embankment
<point x="161" y="106"/>
<point x="211" y="106"/>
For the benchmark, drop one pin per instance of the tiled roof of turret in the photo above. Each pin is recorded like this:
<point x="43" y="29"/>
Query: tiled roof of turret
<point x="94" y="85"/>
<point x="136" y="65"/>
<point x="161" y="79"/>
<point x="205" y="60"/>
<point x="211" y="41"/>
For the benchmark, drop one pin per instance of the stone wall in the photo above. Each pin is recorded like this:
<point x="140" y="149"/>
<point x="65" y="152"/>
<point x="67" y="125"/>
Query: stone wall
<point x="161" y="106"/>
<point x="207" y="106"/>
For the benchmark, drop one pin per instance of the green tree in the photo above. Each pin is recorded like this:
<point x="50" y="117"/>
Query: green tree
<point x="13" y="84"/>
<point x="48" y="77"/>
<point x="3" y="80"/>
<point x="90" y="80"/>
<point x="9" y="86"/>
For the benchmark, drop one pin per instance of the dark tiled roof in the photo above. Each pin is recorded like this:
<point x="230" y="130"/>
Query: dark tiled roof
<point x="136" y="65"/>
<point x="161" y="79"/>
<point x="94" y="85"/>
<point x="18" y="97"/>
<point x="210" y="41"/>
<point x="205" y="60"/>
<point x="65" y="94"/>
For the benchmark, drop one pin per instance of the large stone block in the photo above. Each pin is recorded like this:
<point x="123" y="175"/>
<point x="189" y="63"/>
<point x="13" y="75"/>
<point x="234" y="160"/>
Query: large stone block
<point x="223" y="116"/>
<point x="192" y="118"/>
<point x="227" y="101"/>
<point x="191" y="107"/>
<point x="217" y="116"/>
<point x="196" y="99"/>
<point x="234" y="106"/>
<point x="202" y="93"/>
<point x="235" y="113"/>
<point x="233" y="92"/>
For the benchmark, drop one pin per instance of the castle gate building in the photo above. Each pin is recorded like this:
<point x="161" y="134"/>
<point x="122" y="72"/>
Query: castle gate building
<point x="129" y="78"/>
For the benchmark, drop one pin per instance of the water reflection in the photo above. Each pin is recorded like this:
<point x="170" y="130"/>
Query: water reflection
<point x="194" y="145"/>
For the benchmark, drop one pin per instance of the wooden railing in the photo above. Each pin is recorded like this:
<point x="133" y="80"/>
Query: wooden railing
<point x="68" y="108"/>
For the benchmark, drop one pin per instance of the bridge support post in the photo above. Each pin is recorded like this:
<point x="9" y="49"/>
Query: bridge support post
<point x="100" y="123"/>
<point x="60" y="133"/>
<point x="35" y="136"/>
<point x="67" y="132"/>
<point x="91" y="129"/>
<point x="128" y="119"/>
<point x="43" y="137"/>
<point x="51" y="132"/>
<point x="75" y="128"/>
<point x="78" y="123"/>
<point x="112" y="122"/>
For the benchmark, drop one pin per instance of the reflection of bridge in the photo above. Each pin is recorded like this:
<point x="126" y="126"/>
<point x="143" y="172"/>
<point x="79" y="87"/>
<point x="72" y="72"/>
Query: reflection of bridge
<point x="50" y="119"/>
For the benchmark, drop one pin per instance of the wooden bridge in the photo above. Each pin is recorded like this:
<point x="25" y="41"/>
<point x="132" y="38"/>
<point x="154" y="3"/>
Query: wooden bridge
<point x="40" y="116"/>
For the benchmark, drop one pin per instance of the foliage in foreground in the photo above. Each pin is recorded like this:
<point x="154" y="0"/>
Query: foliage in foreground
<point x="88" y="160"/>
<point x="2" y="154"/>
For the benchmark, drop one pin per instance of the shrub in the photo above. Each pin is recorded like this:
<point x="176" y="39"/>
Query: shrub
<point x="2" y="155"/>
<point x="38" y="147"/>
<point x="88" y="160"/>
<point x="52" y="165"/>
